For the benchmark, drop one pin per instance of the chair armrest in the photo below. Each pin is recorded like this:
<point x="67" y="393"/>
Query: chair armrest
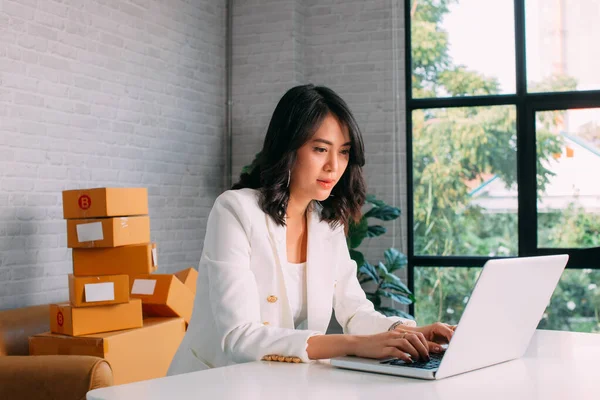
<point x="52" y="377"/>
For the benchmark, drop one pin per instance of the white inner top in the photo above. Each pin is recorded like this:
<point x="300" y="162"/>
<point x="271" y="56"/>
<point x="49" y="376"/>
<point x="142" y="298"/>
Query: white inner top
<point x="294" y="276"/>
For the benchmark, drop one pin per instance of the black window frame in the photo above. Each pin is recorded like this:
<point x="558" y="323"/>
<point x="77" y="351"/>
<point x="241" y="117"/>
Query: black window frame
<point x="527" y="105"/>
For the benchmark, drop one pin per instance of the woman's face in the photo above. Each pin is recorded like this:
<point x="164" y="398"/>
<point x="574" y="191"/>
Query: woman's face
<point x="321" y="161"/>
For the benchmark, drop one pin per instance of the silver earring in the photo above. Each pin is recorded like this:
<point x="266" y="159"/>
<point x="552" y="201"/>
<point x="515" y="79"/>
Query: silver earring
<point x="289" y="177"/>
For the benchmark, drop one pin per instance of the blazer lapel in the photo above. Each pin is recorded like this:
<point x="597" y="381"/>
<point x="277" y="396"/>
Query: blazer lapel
<point x="277" y="236"/>
<point x="319" y="277"/>
<point x="319" y="271"/>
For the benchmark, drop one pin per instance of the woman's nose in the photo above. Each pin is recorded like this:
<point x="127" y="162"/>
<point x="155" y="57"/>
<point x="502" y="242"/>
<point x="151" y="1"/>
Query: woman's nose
<point x="332" y="163"/>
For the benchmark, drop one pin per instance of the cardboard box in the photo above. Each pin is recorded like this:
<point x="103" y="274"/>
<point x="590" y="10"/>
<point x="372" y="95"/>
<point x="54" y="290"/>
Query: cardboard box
<point x="107" y="232"/>
<point x="88" y="291"/>
<point x="104" y="202"/>
<point x="189" y="277"/>
<point x="134" y="354"/>
<point x="73" y="321"/>
<point x="131" y="260"/>
<point x="163" y="295"/>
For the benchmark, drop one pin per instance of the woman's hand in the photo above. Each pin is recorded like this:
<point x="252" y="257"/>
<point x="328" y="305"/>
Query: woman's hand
<point x="407" y="346"/>
<point x="435" y="334"/>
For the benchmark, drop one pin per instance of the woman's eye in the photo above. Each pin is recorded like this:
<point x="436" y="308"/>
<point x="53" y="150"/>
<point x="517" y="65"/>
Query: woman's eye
<point x="320" y="149"/>
<point x="346" y="152"/>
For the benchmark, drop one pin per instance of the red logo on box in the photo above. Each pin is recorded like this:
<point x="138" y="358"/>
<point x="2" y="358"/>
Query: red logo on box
<point x="85" y="202"/>
<point x="60" y="319"/>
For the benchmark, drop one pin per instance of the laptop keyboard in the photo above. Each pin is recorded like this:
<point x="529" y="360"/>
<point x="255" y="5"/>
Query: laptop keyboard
<point x="433" y="363"/>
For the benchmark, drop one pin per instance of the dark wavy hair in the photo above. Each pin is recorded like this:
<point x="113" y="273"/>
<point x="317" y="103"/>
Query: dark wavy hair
<point x="296" y="118"/>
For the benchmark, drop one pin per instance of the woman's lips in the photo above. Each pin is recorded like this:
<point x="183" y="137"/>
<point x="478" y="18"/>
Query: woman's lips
<point x="325" y="183"/>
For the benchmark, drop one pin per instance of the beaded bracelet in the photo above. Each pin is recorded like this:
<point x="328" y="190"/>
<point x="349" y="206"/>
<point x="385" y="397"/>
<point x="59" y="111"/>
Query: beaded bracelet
<point x="394" y="325"/>
<point x="282" y="359"/>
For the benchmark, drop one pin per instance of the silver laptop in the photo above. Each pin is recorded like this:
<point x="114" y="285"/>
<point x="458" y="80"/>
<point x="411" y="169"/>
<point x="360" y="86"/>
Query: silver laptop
<point x="499" y="320"/>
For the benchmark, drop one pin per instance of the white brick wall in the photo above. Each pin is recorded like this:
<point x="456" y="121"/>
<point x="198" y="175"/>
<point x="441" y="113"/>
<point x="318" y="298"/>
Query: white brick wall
<point x="268" y="59"/>
<point x="131" y="93"/>
<point x="349" y="46"/>
<point x="106" y="93"/>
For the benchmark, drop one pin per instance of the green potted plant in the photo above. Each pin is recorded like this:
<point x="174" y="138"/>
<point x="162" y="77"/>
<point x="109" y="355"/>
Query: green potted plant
<point x="386" y="283"/>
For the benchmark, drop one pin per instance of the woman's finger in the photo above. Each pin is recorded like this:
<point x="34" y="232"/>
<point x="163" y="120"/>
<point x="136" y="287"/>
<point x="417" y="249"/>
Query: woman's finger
<point x="419" y="346"/>
<point x="453" y="327"/>
<point x="404" y="332"/>
<point x="434" y="347"/>
<point x="405" y="346"/>
<point x="394" y="352"/>
<point x="442" y="334"/>
<point x="422" y="338"/>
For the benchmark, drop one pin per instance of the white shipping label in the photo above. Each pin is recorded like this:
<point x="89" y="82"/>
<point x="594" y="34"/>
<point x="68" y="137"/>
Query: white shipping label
<point x="154" y="257"/>
<point x="143" y="286"/>
<point x="89" y="232"/>
<point x="104" y="291"/>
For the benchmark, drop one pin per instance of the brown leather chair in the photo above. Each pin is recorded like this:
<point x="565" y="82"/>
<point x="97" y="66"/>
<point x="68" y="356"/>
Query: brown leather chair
<point x="43" y="377"/>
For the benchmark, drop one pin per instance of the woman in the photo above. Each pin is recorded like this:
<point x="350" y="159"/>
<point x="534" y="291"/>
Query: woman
<point x="275" y="259"/>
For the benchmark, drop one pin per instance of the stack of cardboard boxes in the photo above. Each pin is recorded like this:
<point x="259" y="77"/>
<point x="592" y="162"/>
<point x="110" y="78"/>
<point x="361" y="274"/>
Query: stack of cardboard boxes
<point x="112" y="287"/>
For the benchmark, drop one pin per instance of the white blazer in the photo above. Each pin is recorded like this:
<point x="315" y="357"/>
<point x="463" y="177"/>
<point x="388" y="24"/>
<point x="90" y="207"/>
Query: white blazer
<point x="241" y="310"/>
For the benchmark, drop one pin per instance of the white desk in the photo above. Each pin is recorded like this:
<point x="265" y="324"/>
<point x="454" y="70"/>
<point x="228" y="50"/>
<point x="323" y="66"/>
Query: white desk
<point x="558" y="365"/>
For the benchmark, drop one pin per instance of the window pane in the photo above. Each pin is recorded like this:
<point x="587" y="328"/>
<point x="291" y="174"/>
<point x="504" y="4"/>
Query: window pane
<point x="441" y="294"/>
<point x="464" y="175"/>
<point x="559" y="54"/>
<point x="575" y="304"/>
<point x="456" y="52"/>
<point x="568" y="206"/>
